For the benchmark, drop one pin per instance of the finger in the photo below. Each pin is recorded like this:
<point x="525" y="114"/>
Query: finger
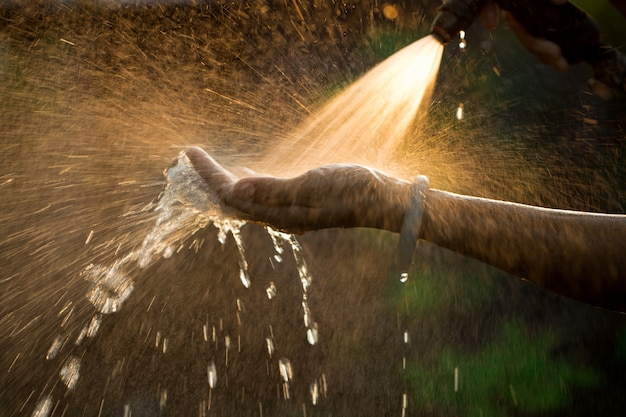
<point x="217" y="177"/>
<point x="548" y="52"/>
<point x="490" y="15"/>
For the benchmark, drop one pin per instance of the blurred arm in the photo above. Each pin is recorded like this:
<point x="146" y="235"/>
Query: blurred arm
<point x="579" y="255"/>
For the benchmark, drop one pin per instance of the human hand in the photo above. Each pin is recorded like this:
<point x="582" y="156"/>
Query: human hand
<point x="548" y="52"/>
<point x="330" y="196"/>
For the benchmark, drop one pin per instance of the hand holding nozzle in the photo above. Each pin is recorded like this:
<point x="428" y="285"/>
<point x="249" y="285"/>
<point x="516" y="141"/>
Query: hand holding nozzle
<point x="557" y="31"/>
<point x="547" y="51"/>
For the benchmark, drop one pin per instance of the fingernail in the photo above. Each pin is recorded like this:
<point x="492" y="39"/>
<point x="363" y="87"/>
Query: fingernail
<point x="244" y="190"/>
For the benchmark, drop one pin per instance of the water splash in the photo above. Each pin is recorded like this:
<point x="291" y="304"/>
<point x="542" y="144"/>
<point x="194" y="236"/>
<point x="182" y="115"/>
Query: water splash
<point x="43" y="408"/>
<point x="70" y="372"/>
<point x="233" y="227"/>
<point x="185" y="206"/>
<point x="280" y="238"/>
<point x="110" y="287"/>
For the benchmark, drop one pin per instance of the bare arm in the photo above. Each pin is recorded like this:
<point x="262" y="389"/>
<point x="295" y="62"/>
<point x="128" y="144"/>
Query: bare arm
<point x="579" y="255"/>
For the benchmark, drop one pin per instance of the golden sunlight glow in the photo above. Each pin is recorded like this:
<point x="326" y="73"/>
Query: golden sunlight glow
<point x="366" y="122"/>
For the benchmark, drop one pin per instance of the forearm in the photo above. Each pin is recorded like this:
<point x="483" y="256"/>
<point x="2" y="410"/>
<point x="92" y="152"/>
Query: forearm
<point x="578" y="255"/>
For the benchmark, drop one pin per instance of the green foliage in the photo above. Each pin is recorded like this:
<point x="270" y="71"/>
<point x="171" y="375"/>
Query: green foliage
<point x="510" y="373"/>
<point x="435" y="289"/>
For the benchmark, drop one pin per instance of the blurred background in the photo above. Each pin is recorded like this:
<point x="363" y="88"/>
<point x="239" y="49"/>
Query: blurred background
<point x="98" y="97"/>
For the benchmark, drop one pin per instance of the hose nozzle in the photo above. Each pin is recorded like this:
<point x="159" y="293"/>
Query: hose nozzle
<point x="454" y="16"/>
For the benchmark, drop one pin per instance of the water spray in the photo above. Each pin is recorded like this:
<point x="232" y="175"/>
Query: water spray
<point x="572" y="29"/>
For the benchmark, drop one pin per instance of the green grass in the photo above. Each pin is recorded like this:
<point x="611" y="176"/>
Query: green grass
<point x="510" y="373"/>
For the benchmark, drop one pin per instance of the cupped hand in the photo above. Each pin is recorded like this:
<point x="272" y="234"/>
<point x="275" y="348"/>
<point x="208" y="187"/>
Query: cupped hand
<point x="329" y="196"/>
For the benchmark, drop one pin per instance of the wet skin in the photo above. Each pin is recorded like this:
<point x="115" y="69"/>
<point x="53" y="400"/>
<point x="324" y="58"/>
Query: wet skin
<point x="575" y="254"/>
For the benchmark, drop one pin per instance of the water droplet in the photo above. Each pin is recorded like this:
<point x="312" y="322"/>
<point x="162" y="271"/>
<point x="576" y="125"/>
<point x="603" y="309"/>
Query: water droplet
<point x="277" y="239"/>
<point x="244" y="277"/>
<point x="306" y="314"/>
<point x="43" y="408"/>
<point x="56" y="345"/>
<point x="221" y="236"/>
<point x="167" y="252"/>
<point x="94" y="325"/>
<point x="303" y="270"/>
<point x="284" y="367"/>
<point x="463" y="41"/>
<point x="312" y="335"/>
<point x="315" y="393"/>
<point x="109" y="289"/>
<point x="234" y="227"/>
<point x="406" y="336"/>
<point x="271" y="291"/>
<point x="70" y="372"/>
<point x="89" y="237"/>
<point x="459" y="112"/>
<point x="81" y="336"/>
<point x="163" y="399"/>
<point x="270" y="346"/>
<point x="212" y="374"/>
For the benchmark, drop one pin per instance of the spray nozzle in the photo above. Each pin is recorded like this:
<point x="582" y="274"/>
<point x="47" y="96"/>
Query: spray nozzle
<point x="454" y="16"/>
